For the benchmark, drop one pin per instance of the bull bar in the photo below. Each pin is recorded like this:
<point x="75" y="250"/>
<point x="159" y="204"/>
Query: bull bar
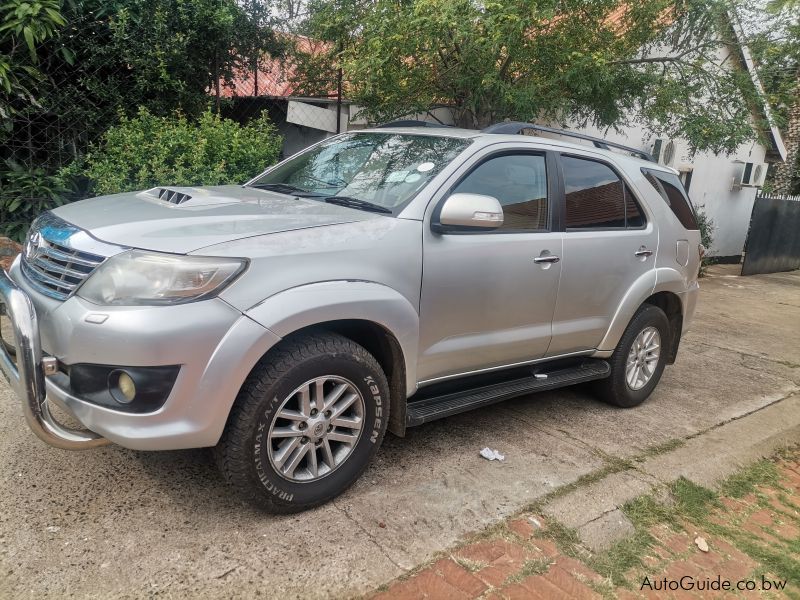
<point x="25" y="367"/>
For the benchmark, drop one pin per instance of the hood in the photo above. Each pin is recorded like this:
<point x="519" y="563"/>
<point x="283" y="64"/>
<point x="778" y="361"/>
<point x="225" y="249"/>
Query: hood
<point x="184" y="219"/>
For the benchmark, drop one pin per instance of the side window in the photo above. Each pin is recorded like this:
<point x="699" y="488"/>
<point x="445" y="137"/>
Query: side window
<point x="634" y="217"/>
<point x="597" y="198"/>
<point x="671" y="190"/>
<point x="519" y="182"/>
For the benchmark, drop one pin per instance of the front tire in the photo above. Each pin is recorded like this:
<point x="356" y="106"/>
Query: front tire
<point x="639" y="359"/>
<point x="306" y="423"/>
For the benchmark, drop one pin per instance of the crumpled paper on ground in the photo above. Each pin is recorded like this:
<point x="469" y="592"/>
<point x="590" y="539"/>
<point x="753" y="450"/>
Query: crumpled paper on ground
<point x="490" y="454"/>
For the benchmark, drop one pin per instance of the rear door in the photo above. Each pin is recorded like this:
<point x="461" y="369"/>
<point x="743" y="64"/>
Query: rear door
<point x="609" y="243"/>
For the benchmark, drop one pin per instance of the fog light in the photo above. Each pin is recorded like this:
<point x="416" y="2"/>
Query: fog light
<point x="122" y="387"/>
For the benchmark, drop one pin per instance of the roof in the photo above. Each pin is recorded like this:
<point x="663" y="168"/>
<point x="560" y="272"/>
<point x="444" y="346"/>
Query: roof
<point x="274" y="77"/>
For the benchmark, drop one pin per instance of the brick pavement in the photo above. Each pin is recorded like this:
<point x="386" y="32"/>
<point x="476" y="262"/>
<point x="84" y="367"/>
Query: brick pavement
<point x="747" y="538"/>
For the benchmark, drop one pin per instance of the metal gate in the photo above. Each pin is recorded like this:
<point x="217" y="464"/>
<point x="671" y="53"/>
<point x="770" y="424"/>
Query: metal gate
<point x="773" y="243"/>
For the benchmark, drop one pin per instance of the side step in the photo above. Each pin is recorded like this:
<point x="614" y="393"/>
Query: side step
<point x="536" y="380"/>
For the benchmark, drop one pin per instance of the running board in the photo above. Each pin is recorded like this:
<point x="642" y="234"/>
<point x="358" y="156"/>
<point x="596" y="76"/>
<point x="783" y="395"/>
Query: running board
<point x="537" y="380"/>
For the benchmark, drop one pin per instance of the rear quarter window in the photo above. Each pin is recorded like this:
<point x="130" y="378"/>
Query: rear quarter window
<point x="670" y="188"/>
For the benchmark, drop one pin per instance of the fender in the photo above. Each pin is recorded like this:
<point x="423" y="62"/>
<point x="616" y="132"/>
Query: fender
<point x="641" y="289"/>
<point x="307" y="305"/>
<point x="661" y="279"/>
<point x="672" y="280"/>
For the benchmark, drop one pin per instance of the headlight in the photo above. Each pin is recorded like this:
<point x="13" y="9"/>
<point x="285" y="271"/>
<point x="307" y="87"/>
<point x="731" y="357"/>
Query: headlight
<point x="138" y="277"/>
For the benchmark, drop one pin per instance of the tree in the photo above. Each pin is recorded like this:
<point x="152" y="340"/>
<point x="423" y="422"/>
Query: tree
<point x="603" y="62"/>
<point x="777" y="50"/>
<point x="69" y="72"/>
<point x="25" y="26"/>
<point x="121" y="54"/>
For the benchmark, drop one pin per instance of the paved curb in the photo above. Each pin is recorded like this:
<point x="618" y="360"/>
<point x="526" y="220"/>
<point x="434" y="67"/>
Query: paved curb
<point x="705" y="459"/>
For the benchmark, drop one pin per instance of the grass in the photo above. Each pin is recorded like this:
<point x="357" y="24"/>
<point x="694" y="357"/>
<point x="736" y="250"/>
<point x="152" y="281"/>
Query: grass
<point x="659" y="449"/>
<point x="693" y="503"/>
<point x="689" y="506"/>
<point x="565" y="538"/>
<point x="469" y="565"/>
<point x="538" y="566"/>
<point x="764" y="472"/>
<point x="616" y="562"/>
<point x="615" y="465"/>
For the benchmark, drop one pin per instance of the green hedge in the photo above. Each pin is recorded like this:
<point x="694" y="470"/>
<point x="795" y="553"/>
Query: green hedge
<point x="147" y="151"/>
<point x="140" y="153"/>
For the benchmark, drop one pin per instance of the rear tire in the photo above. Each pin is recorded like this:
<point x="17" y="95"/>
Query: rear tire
<point x="306" y="423"/>
<point x="639" y="359"/>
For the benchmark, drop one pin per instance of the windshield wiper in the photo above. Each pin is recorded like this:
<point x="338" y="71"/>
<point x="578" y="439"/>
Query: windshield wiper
<point x="284" y="188"/>
<point x="357" y="203"/>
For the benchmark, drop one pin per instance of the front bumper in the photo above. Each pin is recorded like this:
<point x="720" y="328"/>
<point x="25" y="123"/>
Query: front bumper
<point x="213" y="343"/>
<point x="25" y="372"/>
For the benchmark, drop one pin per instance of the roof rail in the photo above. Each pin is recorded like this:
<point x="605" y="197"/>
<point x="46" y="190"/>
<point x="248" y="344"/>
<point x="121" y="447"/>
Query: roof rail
<point x="517" y="127"/>
<point x="410" y="123"/>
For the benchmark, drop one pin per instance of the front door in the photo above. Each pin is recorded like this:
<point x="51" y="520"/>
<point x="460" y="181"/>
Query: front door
<point x="609" y="244"/>
<point x="488" y="296"/>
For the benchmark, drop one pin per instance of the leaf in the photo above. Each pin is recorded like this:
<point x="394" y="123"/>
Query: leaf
<point x="29" y="40"/>
<point x="55" y="16"/>
<point x="68" y="55"/>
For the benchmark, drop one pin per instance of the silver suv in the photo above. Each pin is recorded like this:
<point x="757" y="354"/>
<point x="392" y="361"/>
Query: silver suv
<point x="378" y="280"/>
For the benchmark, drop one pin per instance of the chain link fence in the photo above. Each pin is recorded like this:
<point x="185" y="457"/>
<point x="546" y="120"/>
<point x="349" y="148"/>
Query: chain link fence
<point x="74" y="103"/>
<point x="107" y="63"/>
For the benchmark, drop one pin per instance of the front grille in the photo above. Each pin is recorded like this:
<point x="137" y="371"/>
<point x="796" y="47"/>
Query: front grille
<point x="54" y="268"/>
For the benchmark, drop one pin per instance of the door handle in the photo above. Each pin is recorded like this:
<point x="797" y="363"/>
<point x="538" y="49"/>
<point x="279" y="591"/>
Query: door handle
<point x="643" y="251"/>
<point x="550" y="258"/>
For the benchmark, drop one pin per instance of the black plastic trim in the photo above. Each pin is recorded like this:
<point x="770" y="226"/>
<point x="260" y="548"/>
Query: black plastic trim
<point x="90" y="382"/>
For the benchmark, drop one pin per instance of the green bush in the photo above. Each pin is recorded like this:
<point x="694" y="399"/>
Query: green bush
<point x="148" y="151"/>
<point x="707" y="227"/>
<point x="24" y="193"/>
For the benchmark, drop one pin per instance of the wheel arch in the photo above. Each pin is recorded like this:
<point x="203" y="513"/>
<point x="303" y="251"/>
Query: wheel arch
<point x="372" y="315"/>
<point x="661" y="288"/>
<point x="383" y="345"/>
<point x="671" y="304"/>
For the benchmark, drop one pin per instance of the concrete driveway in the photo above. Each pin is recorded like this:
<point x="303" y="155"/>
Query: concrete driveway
<point x="118" y="523"/>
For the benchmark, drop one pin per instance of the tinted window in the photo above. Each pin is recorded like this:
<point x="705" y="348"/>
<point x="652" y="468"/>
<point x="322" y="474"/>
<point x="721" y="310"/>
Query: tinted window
<point x="595" y="195"/>
<point x="634" y="217"/>
<point x="519" y="182"/>
<point x="671" y="190"/>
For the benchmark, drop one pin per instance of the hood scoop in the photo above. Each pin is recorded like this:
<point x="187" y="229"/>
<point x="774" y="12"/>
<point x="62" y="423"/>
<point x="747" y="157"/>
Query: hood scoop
<point x="172" y="196"/>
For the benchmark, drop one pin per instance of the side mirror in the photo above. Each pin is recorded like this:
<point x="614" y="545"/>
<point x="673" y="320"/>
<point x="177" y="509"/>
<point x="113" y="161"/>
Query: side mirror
<point x="470" y="210"/>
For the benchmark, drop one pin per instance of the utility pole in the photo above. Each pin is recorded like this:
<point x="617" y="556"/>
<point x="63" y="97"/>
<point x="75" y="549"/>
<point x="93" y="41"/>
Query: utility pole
<point x="255" y="66"/>
<point x="339" y="75"/>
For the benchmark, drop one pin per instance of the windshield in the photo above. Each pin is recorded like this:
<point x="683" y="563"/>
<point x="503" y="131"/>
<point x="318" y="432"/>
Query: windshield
<point x="382" y="171"/>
